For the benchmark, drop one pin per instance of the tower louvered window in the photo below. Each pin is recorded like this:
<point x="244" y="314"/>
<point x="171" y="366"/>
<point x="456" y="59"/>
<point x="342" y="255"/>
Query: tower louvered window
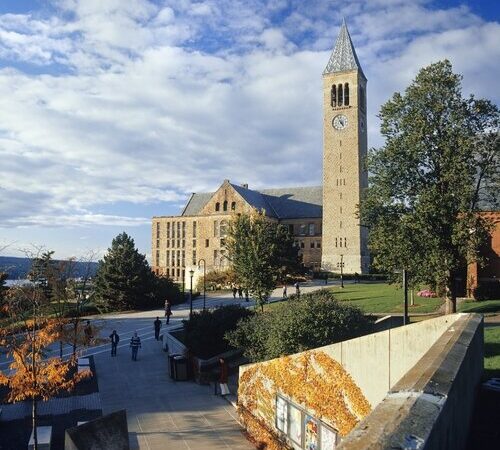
<point x="340" y="93"/>
<point x="333" y="96"/>
<point x="346" y="94"/>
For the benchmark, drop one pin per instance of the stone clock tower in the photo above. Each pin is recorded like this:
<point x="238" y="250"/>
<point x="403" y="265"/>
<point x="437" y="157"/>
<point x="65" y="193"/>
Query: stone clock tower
<point x="344" y="148"/>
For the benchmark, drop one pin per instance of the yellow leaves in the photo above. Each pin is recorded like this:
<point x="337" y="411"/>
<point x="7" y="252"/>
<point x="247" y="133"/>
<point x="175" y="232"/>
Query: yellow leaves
<point x="314" y="380"/>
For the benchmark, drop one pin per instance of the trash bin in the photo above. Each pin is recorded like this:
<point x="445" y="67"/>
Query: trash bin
<point x="180" y="368"/>
<point x="171" y="365"/>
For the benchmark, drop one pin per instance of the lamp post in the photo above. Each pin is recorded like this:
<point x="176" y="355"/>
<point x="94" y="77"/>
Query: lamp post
<point x="191" y="273"/>
<point x="341" y="271"/>
<point x="204" y="285"/>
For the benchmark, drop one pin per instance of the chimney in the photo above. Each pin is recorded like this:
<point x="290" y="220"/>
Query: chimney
<point x="245" y="185"/>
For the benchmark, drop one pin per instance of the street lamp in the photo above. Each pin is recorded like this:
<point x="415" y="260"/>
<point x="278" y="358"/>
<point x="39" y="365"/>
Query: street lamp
<point x="341" y="271"/>
<point x="191" y="273"/>
<point x="204" y="276"/>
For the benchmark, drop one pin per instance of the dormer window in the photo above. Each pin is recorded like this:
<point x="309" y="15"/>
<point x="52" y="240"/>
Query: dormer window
<point x="217" y="206"/>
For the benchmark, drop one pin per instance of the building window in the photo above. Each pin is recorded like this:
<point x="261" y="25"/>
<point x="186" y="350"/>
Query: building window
<point x="341" y="210"/>
<point x="290" y="229"/>
<point x="194" y="229"/>
<point x="312" y="244"/>
<point x="336" y="242"/>
<point x="168" y="273"/>
<point x="157" y="257"/>
<point x="340" y="169"/>
<point x="311" y="229"/>
<point x="178" y="273"/>
<point x="178" y="257"/>
<point x="318" y="244"/>
<point x="340" y="195"/>
<point x="216" y="255"/>
<point x="207" y="243"/>
<point x="183" y="243"/>
<point x="183" y="230"/>
<point x="302" y="245"/>
<point x="233" y="206"/>
<point x="223" y="228"/>
<point x="168" y="243"/>
<point x="178" y="243"/>
<point x="333" y="96"/>
<point x="346" y="94"/>
<point x="222" y="242"/>
<point x="168" y="257"/>
<point x="157" y="230"/>
<point x="194" y="243"/>
<point x="224" y="205"/>
<point x="302" y="229"/>
<point x="183" y="263"/>
<point x="340" y="225"/>
<point x="345" y="242"/>
<point x="340" y="241"/>
<point x="216" y="229"/>
<point x="340" y="100"/>
<point x="217" y="206"/>
<point x="168" y="230"/>
<point x="178" y="229"/>
<point x="173" y="230"/>
<point x="194" y="257"/>
<point x="157" y="243"/>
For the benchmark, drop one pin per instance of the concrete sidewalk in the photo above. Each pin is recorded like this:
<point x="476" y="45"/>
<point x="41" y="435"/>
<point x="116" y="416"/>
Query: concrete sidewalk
<point x="163" y="413"/>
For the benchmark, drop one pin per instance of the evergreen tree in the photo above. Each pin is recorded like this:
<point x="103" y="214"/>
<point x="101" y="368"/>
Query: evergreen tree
<point x="124" y="279"/>
<point x="439" y="162"/>
<point x="261" y="253"/>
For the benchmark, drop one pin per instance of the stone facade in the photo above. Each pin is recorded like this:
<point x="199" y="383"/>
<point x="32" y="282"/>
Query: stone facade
<point x="322" y="219"/>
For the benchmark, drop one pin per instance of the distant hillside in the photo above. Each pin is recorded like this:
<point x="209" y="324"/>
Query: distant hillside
<point x="18" y="268"/>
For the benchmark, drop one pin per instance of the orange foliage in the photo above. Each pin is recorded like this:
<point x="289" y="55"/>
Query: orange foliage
<point x="312" y="379"/>
<point x="31" y="375"/>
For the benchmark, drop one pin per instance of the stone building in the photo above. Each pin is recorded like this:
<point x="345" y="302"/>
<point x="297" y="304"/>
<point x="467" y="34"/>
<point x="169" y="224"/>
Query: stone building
<point x="322" y="219"/>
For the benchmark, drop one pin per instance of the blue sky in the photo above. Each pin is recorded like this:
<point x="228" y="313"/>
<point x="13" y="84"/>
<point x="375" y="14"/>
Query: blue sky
<point x="116" y="111"/>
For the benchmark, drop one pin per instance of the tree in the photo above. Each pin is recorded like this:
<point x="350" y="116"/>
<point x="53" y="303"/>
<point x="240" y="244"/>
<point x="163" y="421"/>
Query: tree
<point x="32" y="375"/>
<point x="439" y="162"/>
<point x="261" y="252"/>
<point x="3" y="288"/>
<point x="124" y="279"/>
<point x="311" y="321"/>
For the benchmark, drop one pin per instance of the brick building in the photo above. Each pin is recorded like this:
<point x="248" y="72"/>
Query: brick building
<point x="322" y="219"/>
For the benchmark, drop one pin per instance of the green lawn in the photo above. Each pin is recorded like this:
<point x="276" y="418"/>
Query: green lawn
<point x="383" y="298"/>
<point x="492" y="352"/>
<point x="483" y="307"/>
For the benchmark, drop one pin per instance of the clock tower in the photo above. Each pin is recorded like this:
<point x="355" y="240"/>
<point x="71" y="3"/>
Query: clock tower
<point x="344" y="148"/>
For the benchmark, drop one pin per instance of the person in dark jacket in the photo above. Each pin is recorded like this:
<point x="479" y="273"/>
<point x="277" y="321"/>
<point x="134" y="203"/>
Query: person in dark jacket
<point x="157" y="325"/>
<point x="168" y="310"/>
<point x="135" y="345"/>
<point x="88" y="333"/>
<point x="114" y="342"/>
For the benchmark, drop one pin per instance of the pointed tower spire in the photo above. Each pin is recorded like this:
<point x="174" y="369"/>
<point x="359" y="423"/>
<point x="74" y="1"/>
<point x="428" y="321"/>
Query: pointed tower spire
<point x="344" y="56"/>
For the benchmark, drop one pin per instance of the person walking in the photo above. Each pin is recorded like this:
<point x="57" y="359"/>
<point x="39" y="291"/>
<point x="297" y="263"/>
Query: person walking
<point x="240" y="292"/>
<point x="235" y="290"/>
<point x="284" y="292"/>
<point x="157" y="325"/>
<point x="88" y="333"/>
<point x="223" y="376"/>
<point x="297" y="289"/>
<point x="168" y="310"/>
<point x="135" y="345"/>
<point x="115" y="338"/>
<point x="246" y="295"/>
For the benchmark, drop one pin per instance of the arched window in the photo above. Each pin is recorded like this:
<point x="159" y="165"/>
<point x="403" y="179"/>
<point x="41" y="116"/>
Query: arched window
<point x="233" y="206"/>
<point x="217" y="206"/>
<point x="340" y="100"/>
<point x="222" y="228"/>
<point x="333" y="96"/>
<point x="346" y="94"/>
<point x="224" y="205"/>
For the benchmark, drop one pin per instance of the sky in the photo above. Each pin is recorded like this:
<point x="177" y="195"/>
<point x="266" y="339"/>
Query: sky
<point x="114" y="111"/>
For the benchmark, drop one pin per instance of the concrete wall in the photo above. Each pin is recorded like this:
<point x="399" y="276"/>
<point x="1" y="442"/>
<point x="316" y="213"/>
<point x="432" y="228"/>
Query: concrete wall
<point x="432" y="405"/>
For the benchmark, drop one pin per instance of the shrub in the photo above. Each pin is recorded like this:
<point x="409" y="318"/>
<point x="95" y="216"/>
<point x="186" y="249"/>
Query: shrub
<point x="204" y="332"/>
<point x="311" y="321"/>
<point x="487" y="290"/>
<point x="165" y="288"/>
<point x="217" y="279"/>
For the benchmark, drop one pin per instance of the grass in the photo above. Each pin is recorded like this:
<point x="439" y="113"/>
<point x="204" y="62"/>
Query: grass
<point x="383" y="298"/>
<point x="483" y="307"/>
<point x="492" y="352"/>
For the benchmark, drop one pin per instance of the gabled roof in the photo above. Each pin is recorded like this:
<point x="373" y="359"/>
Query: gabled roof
<point x="343" y="57"/>
<point x="281" y="203"/>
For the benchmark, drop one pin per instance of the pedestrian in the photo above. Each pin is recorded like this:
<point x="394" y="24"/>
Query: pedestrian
<point x="114" y="342"/>
<point x="168" y="310"/>
<point x="356" y="277"/>
<point x="297" y="289"/>
<point x="284" y="292"/>
<point x="157" y="325"/>
<point x="135" y="345"/>
<point x="224" y="389"/>
<point x="234" y="290"/>
<point x="246" y="295"/>
<point x="240" y="292"/>
<point x="88" y="333"/>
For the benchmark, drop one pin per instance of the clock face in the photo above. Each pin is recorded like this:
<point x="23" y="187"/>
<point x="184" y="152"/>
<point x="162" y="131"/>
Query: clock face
<point x="339" y="122"/>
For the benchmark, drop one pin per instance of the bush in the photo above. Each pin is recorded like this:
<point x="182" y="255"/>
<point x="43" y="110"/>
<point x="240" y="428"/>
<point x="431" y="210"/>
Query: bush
<point x="165" y="288"/>
<point x="204" y="332"/>
<point x="311" y="321"/>
<point x="217" y="279"/>
<point x="487" y="290"/>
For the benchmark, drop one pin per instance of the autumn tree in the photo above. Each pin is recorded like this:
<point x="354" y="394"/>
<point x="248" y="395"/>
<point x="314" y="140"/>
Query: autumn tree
<point x="124" y="279"/>
<point x="439" y="163"/>
<point x="261" y="253"/>
<point x="32" y="375"/>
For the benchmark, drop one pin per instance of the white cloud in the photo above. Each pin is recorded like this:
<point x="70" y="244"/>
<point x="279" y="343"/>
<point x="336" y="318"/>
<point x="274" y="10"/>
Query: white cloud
<point x="140" y="102"/>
